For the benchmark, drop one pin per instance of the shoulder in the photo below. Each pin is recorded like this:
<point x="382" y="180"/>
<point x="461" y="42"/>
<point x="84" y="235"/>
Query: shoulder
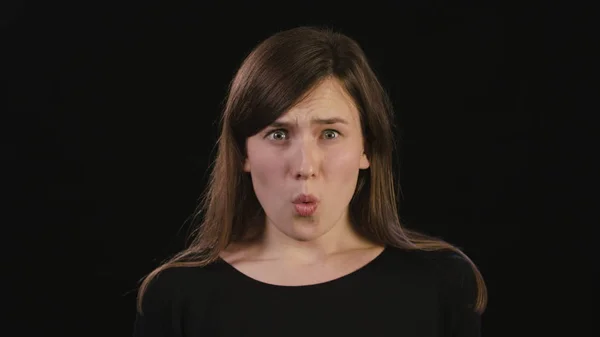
<point x="439" y="261"/>
<point x="450" y="272"/>
<point x="458" y="291"/>
<point x="174" y="284"/>
<point x="450" y="267"/>
<point x="178" y="275"/>
<point x="169" y="295"/>
<point x="454" y="278"/>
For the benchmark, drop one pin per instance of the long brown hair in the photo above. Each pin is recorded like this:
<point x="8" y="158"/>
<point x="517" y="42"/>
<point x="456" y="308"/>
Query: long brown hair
<point x="275" y="76"/>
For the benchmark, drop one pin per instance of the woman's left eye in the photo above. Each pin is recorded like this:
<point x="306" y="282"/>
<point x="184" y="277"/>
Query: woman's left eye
<point x="330" y="134"/>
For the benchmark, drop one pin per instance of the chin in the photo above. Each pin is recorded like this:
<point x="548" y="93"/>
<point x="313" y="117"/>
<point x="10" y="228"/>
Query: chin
<point x="304" y="231"/>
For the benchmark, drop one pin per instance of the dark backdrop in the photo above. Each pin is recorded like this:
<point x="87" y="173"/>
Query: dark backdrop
<point x="111" y="126"/>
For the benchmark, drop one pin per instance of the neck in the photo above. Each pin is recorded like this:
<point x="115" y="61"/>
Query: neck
<point x="342" y="237"/>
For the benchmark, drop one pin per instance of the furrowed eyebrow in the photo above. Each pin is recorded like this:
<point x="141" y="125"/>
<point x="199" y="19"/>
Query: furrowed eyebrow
<point x="320" y="121"/>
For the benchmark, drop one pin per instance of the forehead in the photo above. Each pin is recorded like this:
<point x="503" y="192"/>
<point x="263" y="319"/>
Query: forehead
<point x="328" y="99"/>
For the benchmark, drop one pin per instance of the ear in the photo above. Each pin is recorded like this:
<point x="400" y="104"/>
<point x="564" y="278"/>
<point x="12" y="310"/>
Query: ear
<point x="246" y="165"/>
<point x="364" y="162"/>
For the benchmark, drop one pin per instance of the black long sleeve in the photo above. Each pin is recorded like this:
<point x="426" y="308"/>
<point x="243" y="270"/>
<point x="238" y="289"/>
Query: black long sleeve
<point x="400" y="293"/>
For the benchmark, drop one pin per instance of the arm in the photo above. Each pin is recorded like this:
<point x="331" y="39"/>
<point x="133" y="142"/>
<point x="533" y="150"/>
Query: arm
<point x="459" y="294"/>
<point x="159" y="308"/>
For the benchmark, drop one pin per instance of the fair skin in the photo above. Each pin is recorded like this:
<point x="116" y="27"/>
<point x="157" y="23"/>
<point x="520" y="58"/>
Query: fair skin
<point x="314" y="148"/>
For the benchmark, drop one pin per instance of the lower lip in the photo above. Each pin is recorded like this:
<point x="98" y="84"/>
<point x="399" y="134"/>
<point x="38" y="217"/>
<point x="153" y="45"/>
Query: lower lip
<point x="306" y="209"/>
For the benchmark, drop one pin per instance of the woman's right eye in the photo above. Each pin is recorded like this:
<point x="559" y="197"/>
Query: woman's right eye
<point x="277" y="135"/>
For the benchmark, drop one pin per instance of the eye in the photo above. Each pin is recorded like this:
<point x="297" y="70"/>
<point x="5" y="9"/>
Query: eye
<point x="277" y="135"/>
<point x="330" y="134"/>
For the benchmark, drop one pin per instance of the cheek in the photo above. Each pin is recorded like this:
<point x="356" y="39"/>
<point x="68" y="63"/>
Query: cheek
<point x="265" y="169"/>
<point x="342" y="165"/>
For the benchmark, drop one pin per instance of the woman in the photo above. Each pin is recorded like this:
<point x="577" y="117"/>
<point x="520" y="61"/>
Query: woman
<point x="301" y="235"/>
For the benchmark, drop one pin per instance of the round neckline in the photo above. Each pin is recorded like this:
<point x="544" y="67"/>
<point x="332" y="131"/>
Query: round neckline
<point x="336" y="280"/>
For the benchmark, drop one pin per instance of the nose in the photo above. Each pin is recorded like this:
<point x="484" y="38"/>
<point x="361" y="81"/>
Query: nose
<point x="305" y="160"/>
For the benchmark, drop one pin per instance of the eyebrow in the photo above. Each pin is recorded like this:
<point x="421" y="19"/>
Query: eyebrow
<point x="320" y="121"/>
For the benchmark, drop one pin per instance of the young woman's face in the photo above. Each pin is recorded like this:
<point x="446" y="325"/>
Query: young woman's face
<point x="314" y="150"/>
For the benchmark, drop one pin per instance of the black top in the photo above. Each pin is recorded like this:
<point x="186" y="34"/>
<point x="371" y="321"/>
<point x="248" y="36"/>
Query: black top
<point x="399" y="293"/>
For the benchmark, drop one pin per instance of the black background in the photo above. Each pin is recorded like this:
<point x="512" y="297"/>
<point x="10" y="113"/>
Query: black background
<point x="110" y="129"/>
